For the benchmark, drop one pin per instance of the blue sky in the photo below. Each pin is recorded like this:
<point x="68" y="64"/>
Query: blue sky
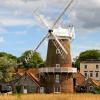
<point x="20" y="30"/>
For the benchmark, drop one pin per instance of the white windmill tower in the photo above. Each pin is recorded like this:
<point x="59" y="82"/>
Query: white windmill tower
<point x="57" y="75"/>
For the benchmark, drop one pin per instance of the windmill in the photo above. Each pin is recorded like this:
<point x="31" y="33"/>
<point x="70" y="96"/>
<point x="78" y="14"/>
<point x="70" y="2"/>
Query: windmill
<point x="57" y="76"/>
<point x="52" y="31"/>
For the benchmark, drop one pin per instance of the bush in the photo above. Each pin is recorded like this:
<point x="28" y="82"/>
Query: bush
<point x="96" y="90"/>
<point x="18" y="89"/>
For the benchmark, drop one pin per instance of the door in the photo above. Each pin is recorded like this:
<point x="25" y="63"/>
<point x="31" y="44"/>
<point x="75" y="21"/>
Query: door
<point x="57" y="89"/>
<point x="41" y="89"/>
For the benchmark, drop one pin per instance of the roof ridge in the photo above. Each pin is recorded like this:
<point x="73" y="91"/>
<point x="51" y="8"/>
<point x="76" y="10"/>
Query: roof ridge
<point x="35" y="79"/>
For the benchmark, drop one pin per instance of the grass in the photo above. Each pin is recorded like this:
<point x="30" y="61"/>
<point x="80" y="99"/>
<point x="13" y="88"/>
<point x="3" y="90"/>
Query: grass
<point x="51" y="97"/>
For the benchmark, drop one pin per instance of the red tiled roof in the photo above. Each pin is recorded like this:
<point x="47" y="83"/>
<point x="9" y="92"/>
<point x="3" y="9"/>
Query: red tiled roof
<point x="79" y="78"/>
<point x="31" y="70"/>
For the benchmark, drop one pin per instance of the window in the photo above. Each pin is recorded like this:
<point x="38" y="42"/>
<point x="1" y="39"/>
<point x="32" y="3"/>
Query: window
<point x="97" y="74"/>
<point x="85" y="66"/>
<point x="57" y="65"/>
<point x="85" y="74"/>
<point x="91" y="74"/>
<point x="97" y="66"/>
<point x="57" y="78"/>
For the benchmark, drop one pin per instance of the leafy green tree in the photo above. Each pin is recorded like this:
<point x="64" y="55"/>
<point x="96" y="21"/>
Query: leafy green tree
<point x="7" y="68"/>
<point x="4" y="54"/>
<point x="8" y="64"/>
<point x="90" y="54"/>
<point x="87" y="55"/>
<point x="35" y="61"/>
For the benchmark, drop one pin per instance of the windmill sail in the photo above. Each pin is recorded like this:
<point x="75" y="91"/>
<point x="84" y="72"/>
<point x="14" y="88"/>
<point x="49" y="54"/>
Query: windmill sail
<point x="52" y="33"/>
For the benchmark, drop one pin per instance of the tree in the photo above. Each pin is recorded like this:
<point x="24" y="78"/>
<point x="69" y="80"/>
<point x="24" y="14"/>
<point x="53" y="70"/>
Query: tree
<point x="87" y="55"/>
<point x="4" y="54"/>
<point x="90" y="54"/>
<point x="35" y="61"/>
<point x="7" y="68"/>
<point x="8" y="64"/>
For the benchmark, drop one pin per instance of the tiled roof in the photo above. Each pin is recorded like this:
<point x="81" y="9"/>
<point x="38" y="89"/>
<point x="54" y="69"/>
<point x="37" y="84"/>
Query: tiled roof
<point x="79" y="78"/>
<point x="95" y="82"/>
<point x="91" y="81"/>
<point x="22" y="71"/>
<point x="30" y="72"/>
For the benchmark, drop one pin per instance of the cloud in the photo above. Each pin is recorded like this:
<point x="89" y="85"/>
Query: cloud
<point x="2" y="39"/>
<point x="15" y="22"/>
<point x="2" y="30"/>
<point x="86" y="15"/>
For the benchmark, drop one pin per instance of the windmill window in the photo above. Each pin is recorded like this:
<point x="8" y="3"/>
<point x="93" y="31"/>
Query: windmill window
<point x="57" y="65"/>
<point x="57" y="78"/>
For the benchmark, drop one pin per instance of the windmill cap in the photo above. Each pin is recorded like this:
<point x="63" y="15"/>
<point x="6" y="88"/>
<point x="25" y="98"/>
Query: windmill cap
<point x="68" y="32"/>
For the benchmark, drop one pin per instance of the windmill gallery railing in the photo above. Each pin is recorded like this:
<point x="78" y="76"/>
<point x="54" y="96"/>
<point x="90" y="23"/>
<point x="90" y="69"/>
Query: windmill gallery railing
<point x="57" y="69"/>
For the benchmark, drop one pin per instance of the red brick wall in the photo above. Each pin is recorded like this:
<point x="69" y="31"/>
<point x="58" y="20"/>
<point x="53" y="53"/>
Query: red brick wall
<point x="53" y="58"/>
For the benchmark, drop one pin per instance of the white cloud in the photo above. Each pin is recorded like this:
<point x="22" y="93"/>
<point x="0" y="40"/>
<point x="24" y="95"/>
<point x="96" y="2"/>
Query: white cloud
<point x="86" y="15"/>
<point x="2" y="30"/>
<point x="15" y="21"/>
<point x="2" y="39"/>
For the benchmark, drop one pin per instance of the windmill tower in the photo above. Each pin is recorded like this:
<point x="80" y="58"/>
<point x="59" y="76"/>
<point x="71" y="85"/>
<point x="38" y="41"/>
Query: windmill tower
<point x="57" y="76"/>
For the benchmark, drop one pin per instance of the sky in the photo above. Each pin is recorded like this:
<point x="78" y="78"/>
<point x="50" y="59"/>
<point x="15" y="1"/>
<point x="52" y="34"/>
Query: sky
<point x="21" y="29"/>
